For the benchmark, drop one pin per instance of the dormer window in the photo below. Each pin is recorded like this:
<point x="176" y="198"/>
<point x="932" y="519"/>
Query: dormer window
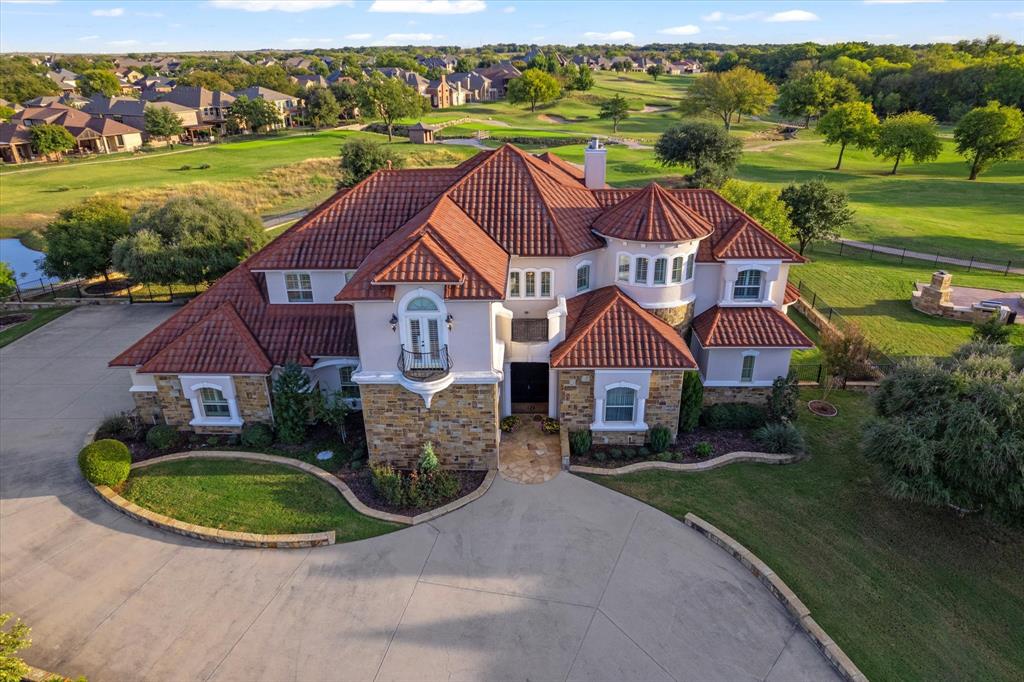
<point x="747" y="286"/>
<point x="582" y="277"/>
<point x="299" y="287"/>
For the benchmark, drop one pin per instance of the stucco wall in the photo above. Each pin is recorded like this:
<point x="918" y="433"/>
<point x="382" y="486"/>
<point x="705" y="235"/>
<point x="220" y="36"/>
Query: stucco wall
<point x="326" y="285"/>
<point x="724" y="366"/>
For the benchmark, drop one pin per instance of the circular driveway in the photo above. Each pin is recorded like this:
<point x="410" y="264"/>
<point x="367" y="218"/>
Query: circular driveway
<point x="561" y="581"/>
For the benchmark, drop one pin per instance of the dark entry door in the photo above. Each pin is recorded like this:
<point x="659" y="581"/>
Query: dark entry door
<point x="529" y="386"/>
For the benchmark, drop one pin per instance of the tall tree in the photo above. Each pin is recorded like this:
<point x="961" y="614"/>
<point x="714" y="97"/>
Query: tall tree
<point x="535" y="87"/>
<point x="989" y="134"/>
<point x="849" y="123"/>
<point x="655" y="70"/>
<point x="911" y="134"/>
<point x="211" y="80"/>
<point x="763" y="203"/>
<point x="740" y="90"/>
<point x="616" y="109"/>
<point x="813" y="94"/>
<point x="80" y="240"/>
<point x="162" y="123"/>
<point x="6" y="113"/>
<point x="706" y="148"/>
<point x="817" y="211"/>
<point x="389" y="99"/>
<point x="361" y="158"/>
<point x="98" y="81"/>
<point x="20" y="80"/>
<point x="583" y="79"/>
<point x="292" y="402"/>
<point x="191" y="239"/>
<point x="49" y="139"/>
<point x="253" y="114"/>
<point x="322" y="109"/>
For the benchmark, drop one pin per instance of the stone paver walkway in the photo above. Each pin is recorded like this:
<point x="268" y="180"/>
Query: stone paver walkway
<point x="529" y="455"/>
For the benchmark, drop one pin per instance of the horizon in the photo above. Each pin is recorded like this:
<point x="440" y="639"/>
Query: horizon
<point x="208" y="26"/>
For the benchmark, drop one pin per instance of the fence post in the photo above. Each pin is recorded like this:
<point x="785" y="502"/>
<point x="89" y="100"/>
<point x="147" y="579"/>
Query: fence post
<point x="936" y="257"/>
<point x="819" y="375"/>
<point x="1007" y="271"/>
<point x="971" y="264"/>
<point x="872" y="254"/>
<point x="903" y="255"/>
<point x="830" y="313"/>
<point x="841" y="244"/>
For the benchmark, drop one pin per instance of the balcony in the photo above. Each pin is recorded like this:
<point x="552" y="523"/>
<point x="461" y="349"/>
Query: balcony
<point x="527" y="330"/>
<point x="423" y="367"/>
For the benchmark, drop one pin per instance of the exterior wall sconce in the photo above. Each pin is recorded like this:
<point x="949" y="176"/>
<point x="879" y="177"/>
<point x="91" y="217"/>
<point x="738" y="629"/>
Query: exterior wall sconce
<point x="450" y="321"/>
<point x="393" y="322"/>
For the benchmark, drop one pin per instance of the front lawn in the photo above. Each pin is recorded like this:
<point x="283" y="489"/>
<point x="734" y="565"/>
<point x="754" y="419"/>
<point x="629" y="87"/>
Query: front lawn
<point x="37" y="318"/>
<point x="909" y="593"/>
<point x="250" y="497"/>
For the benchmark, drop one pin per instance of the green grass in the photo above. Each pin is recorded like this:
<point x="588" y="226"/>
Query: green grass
<point x="36" y="320"/>
<point x="908" y="593"/>
<point x="875" y="294"/>
<point x="251" y="497"/>
<point x="805" y="361"/>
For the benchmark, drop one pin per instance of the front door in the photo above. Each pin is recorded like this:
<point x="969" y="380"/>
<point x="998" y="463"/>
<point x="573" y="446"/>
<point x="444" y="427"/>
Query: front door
<point x="529" y="387"/>
<point x="425" y="341"/>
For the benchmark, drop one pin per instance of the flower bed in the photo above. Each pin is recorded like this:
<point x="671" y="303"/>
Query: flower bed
<point x="360" y="482"/>
<point x="683" y="450"/>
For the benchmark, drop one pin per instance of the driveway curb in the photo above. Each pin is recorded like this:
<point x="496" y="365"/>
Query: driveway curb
<point x="729" y="458"/>
<point x="829" y="649"/>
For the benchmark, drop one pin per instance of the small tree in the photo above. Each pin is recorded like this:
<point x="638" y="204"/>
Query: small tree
<point x="616" y="109"/>
<point x="7" y="283"/>
<point x="784" y="397"/>
<point x="818" y="212"/>
<point x="844" y="355"/>
<point x="849" y="123"/>
<point x="763" y="203"/>
<point x="322" y="108"/>
<point x="991" y="330"/>
<point x="690" y="402"/>
<point x="655" y="70"/>
<point x="390" y="99"/>
<point x="333" y="409"/>
<point x="291" y="404"/>
<point x="812" y="94"/>
<point x="253" y="114"/>
<point x="709" y="150"/>
<point x="162" y="123"/>
<point x="428" y="460"/>
<point x="49" y="139"/>
<point x="911" y="134"/>
<point x="989" y="134"/>
<point x="583" y="79"/>
<point x="12" y="640"/>
<point x="739" y="90"/>
<point x="80" y="241"/>
<point x="6" y="113"/>
<point x="533" y="87"/>
<point x="361" y="158"/>
<point x="99" y="82"/>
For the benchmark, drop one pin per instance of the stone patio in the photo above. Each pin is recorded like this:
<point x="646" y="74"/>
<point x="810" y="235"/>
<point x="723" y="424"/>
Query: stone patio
<point x="528" y="455"/>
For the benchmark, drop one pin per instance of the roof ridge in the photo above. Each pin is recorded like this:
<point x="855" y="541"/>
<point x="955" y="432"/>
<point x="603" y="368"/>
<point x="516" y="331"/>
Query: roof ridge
<point x="240" y="326"/>
<point x="426" y="240"/>
<point x="731" y="234"/>
<point x="598" y="315"/>
<point x="233" y="319"/>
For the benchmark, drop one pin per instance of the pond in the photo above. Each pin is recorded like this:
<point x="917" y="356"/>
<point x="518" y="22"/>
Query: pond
<point x="24" y="262"/>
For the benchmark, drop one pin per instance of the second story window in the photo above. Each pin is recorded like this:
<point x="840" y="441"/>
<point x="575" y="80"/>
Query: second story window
<point x="299" y="287"/>
<point x="677" y="269"/>
<point x="689" y="266"/>
<point x="747" y="286"/>
<point x="623" y="272"/>
<point x="640" y="270"/>
<point x="583" y="277"/>
<point x="530" y="283"/>
<point x="514" y="290"/>
<point x="660" y="266"/>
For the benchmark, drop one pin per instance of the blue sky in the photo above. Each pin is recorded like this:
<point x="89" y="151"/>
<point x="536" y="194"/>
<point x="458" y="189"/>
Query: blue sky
<point x="143" y="25"/>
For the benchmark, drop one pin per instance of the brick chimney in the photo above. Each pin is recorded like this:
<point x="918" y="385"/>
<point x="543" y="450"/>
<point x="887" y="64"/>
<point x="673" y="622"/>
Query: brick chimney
<point x="595" y="162"/>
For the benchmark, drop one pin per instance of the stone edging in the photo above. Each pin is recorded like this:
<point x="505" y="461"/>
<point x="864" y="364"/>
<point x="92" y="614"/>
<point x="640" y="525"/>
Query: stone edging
<point x="707" y="465"/>
<point x="839" y="660"/>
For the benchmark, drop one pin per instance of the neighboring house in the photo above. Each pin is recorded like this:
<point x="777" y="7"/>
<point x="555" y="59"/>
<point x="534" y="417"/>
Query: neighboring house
<point x="287" y="105"/>
<point x="339" y="77"/>
<point x="297" y="63"/>
<point x="73" y="101"/>
<point x="211" y="106"/>
<point x="129" y="74"/>
<point x="690" y="66"/>
<point x="15" y="143"/>
<point x="132" y="112"/>
<point x="443" y="94"/>
<point x="66" y="80"/>
<point x="444" y="63"/>
<point x="14" y="106"/>
<point x="478" y="88"/>
<point x="93" y="135"/>
<point x="500" y="75"/>
<point x="150" y="86"/>
<point x="447" y="298"/>
<point x="307" y="82"/>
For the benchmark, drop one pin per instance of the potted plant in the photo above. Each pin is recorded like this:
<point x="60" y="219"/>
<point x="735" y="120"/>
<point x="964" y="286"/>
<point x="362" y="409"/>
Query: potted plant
<point x="510" y="423"/>
<point x="550" y="425"/>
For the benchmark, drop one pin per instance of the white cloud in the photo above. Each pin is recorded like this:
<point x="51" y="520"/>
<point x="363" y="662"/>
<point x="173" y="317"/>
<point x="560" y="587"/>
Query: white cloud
<point x="714" y="16"/>
<point x="792" y="15"/>
<point x="685" y="30"/>
<point x="277" y="5"/>
<point x="122" y="43"/>
<point x="410" y="37"/>
<point x="508" y="10"/>
<point x="611" y="37"/>
<point x="85" y="39"/>
<point x="358" y="36"/>
<point x="429" y="6"/>
<point x="112" y="12"/>
<point x="722" y="16"/>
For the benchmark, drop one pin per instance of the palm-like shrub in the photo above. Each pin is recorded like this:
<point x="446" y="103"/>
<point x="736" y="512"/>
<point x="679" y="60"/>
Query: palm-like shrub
<point x="780" y="437"/>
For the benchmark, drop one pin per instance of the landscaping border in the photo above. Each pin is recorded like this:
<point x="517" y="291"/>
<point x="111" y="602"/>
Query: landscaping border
<point x="290" y="541"/>
<point x="835" y="655"/>
<point x="707" y="465"/>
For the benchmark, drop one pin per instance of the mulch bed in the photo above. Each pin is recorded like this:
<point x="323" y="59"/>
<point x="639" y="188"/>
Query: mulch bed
<point x="8" y="320"/>
<point x="723" y="441"/>
<point x="361" y="484"/>
<point x="102" y="288"/>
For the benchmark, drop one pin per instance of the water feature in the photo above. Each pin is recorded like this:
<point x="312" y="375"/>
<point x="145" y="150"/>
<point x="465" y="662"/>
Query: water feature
<point x="24" y="262"/>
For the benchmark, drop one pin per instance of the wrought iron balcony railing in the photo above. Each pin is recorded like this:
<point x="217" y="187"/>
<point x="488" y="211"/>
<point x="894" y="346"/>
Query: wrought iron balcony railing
<point x="424" y="366"/>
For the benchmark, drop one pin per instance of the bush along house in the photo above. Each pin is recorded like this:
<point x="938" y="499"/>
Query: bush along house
<point x="447" y="298"/>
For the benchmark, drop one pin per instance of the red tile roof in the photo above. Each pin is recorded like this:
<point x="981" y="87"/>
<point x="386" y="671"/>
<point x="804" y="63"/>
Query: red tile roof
<point x="652" y="214"/>
<point x="745" y="240"/>
<point x="424" y="261"/>
<point x="792" y="294"/>
<point x="748" y="328"/>
<point x="606" y="328"/>
<point x="219" y="342"/>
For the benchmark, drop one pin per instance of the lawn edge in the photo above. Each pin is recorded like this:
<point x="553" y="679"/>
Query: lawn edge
<point x="720" y="461"/>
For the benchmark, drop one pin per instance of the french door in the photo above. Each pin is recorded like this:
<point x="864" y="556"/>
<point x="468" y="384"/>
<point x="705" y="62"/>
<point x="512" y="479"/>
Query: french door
<point x="425" y="342"/>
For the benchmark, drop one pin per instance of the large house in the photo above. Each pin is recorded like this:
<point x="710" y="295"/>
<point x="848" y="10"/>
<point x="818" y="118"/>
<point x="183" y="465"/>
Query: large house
<point x="288" y="106"/>
<point x="132" y="112"/>
<point x="446" y="298"/>
<point x="93" y="134"/>
<point x="212" y="107"/>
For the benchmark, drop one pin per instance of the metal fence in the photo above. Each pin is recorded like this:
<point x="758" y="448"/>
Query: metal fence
<point x="951" y="262"/>
<point x="41" y="289"/>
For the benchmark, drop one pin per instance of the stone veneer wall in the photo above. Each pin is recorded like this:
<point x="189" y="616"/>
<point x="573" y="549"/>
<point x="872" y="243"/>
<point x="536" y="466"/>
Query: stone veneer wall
<point x="662" y="408"/>
<point x="251" y="392"/>
<point x="679" y="317"/>
<point x="576" y="398"/>
<point x="576" y="407"/>
<point x="758" y="395"/>
<point x="462" y="423"/>
<point x="147" y="405"/>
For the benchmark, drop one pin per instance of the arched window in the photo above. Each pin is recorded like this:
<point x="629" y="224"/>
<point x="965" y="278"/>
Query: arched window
<point x="747" y="286"/>
<point x="620" y="404"/>
<point x="214" y="404"/>
<point x="422" y="303"/>
<point x="660" y="270"/>
<point x="423" y="328"/>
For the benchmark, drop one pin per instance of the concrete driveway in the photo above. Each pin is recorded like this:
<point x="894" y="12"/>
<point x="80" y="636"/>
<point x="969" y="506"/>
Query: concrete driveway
<point x="560" y="581"/>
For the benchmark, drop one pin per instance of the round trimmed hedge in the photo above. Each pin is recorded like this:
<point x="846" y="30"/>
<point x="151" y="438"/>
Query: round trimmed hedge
<point x="105" y="462"/>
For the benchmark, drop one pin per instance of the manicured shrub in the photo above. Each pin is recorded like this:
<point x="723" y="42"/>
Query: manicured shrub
<point x="629" y="453"/>
<point x="660" y="438"/>
<point x="388" y="484"/>
<point x="580" y="442"/>
<point x="779" y="437"/>
<point x="105" y="462"/>
<point x="121" y="426"/>
<point x="162" y="437"/>
<point x="643" y="453"/>
<point x="439" y="487"/>
<point x="665" y="456"/>
<point x="733" y="416"/>
<point x="703" y="450"/>
<point x="783" y="400"/>
<point x="690" y="402"/>
<point x="428" y="460"/>
<point x="600" y="455"/>
<point x="616" y="453"/>
<point x="257" y="436"/>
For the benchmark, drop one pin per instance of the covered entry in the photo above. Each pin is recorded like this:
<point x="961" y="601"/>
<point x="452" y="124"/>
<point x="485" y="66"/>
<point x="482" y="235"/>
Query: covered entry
<point x="529" y="387"/>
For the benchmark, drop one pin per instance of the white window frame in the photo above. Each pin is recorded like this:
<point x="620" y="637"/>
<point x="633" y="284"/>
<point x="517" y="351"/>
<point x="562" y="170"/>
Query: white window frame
<point x="677" y="278"/>
<point x="690" y="267"/>
<point x="646" y="270"/>
<point x="299" y="289"/>
<point x="608" y="406"/>
<point x="668" y="257"/>
<point x="585" y="265"/>
<point x="752" y="355"/>
<point x="350" y="384"/>
<point x="639" y="408"/>
<point x="661" y="261"/>
<point x="538" y="276"/>
<point x="627" y="274"/>
<point x="192" y="387"/>
<point x="760" y="285"/>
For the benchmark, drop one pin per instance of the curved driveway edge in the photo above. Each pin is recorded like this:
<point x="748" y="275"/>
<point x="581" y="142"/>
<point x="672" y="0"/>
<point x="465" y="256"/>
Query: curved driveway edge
<point x="708" y="465"/>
